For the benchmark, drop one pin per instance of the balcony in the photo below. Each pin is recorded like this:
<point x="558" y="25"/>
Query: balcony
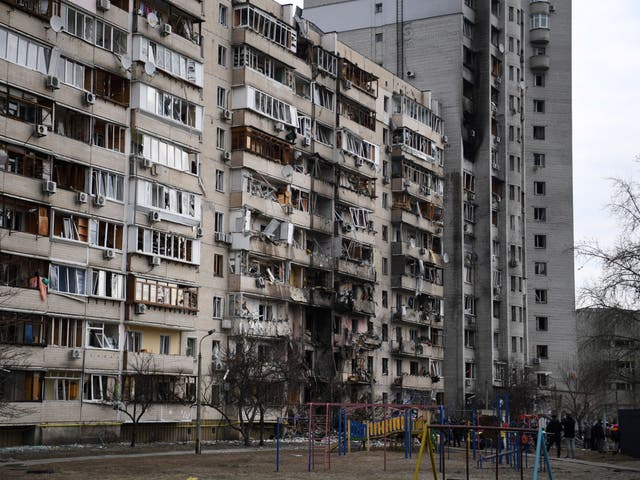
<point x="364" y="198"/>
<point x="260" y="329"/>
<point x="415" y="382"/>
<point x="322" y="297"/>
<point x="399" y="215"/>
<point x="418" y="285"/>
<point x="539" y="62"/>
<point x="68" y="358"/>
<point x="259" y="286"/>
<point x="161" y="363"/>
<point x="412" y="317"/>
<point x="363" y="270"/>
<point x="416" y="190"/>
<point x="408" y="348"/>
<point x="540" y="36"/>
<point x="269" y="208"/>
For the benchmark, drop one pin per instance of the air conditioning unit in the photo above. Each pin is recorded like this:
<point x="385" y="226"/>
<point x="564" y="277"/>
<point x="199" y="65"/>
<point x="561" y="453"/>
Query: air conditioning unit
<point x="154" y="217"/>
<point x="386" y="179"/>
<point x="228" y="238"/>
<point x="165" y="30"/>
<point x="347" y="85"/>
<point x="155" y="261"/>
<point x="41" y="130"/>
<point x="99" y="201"/>
<point x="146" y="162"/>
<point x="513" y="263"/>
<point x="498" y="80"/>
<point x="387" y="148"/>
<point x="227" y="115"/>
<point x="53" y="82"/>
<point x="497" y="140"/>
<point x="260" y="282"/>
<point x="140" y="309"/>
<point x="89" y="98"/>
<point x="445" y="139"/>
<point x="49" y="187"/>
<point x="359" y="162"/>
<point x="497" y="290"/>
<point x="103" y="5"/>
<point x="467" y="382"/>
<point x="226" y="156"/>
<point x="199" y="232"/>
<point x="422" y="251"/>
<point x="411" y="74"/>
<point x="109" y="254"/>
<point x="278" y="127"/>
<point x="306" y="141"/>
<point x="347" y="228"/>
<point x="225" y="324"/>
<point x="535" y="361"/>
<point x="75" y="353"/>
<point x="220" y="237"/>
<point x="82" y="197"/>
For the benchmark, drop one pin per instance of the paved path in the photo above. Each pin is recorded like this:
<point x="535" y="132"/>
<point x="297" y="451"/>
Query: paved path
<point x="616" y="466"/>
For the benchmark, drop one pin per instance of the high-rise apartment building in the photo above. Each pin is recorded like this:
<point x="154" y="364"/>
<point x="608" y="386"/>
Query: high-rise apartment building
<point x="502" y="72"/>
<point x="180" y="176"/>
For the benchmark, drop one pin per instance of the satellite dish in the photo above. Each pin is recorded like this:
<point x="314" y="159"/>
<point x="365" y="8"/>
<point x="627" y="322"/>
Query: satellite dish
<point x="445" y="257"/>
<point x="57" y="24"/>
<point x="125" y="60"/>
<point x="523" y="85"/>
<point x="287" y="170"/>
<point x="501" y="48"/>
<point x="152" y="19"/>
<point x="150" y="68"/>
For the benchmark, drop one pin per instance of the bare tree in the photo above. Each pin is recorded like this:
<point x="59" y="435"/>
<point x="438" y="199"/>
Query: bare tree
<point x="254" y="380"/>
<point x="582" y="384"/>
<point x="136" y="392"/>
<point x="611" y="324"/>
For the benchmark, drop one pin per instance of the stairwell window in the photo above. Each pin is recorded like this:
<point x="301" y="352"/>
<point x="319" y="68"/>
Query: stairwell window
<point x="541" y="295"/>
<point x="540" y="241"/>
<point x="539" y="132"/>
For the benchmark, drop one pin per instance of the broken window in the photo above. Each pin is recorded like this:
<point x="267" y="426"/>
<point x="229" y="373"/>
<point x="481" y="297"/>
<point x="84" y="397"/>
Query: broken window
<point x="69" y="175"/>
<point x="359" y="78"/>
<point x="322" y="96"/>
<point x="540" y="241"/>
<point x="468" y="180"/>
<point x="357" y="113"/>
<point x="21" y="216"/>
<point x="99" y="387"/>
<point x="270" y="107"/>
<point x="163" y="197"/>
<point x="247" y="56"/>
<point x="167" y="153"/>
<point x="168" y="106"/>
<point x="323" y="134"/>
<point x="109" y="184"/>
<point x="23" y="162"/>
<point x="351" y="143"/>
<point x="248" y="16"/>
<point x="419" y="112"/>
<point x="24" y="106"/>
<point x="165" y="294"/>
<point x="540" y="295"/>
<point x="107" y="284"/>
<point x="326" y="62"/>
<point x="302" y="87"/>
<point x="218" y="307"/>
<point x="62" y="385"/>
<point x="415" y="143"/>
<point x="261" y="144"/>
<point x="64" y="279"/>
<point x="22" y="272"/>
<point x="25" y="329"/>
<point x="356" y="251"/>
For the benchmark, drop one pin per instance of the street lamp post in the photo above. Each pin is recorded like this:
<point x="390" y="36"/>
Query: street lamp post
<point x="199" y="393"/>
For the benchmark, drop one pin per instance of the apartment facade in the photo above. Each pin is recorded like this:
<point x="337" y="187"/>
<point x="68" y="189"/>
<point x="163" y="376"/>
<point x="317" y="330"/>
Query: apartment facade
<point x="179" y="177"/>
<point x="502" y="72"/>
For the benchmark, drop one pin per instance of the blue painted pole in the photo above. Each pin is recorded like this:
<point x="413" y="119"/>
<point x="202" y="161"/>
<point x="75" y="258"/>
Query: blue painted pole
<point x="441" y="458"/>
<point x="278" y="445"/>
<point x="474" y="435"/>
<point x="339" y="432"/>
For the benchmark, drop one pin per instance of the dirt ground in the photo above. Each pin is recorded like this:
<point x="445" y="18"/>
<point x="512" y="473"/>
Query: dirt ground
<point x="219" y="462"/>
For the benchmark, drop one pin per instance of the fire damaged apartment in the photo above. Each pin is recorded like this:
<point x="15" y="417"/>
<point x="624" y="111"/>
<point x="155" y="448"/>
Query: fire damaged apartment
<point x="187" y="183"/>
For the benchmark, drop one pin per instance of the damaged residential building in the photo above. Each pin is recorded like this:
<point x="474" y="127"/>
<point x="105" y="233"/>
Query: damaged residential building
<point x="502" y="71"/>
<point x="173" y="168"/>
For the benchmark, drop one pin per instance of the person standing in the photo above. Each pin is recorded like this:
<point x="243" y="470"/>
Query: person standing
<point x="597" y="437"/>
<point x="586" y="436"/>
<point x="569" y="431"/>
<point x="554" y="432"/>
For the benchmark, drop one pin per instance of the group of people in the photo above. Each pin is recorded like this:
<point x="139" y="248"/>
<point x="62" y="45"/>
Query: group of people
<point x="559" y="429"/>
<point x="594" y="435"/>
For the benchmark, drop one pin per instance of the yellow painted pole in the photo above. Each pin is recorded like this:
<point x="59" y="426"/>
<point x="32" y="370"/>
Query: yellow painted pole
<point x="348" y="437"/>
<point x="368" y="441"/>
<point x="416" y="472"/>
<point x="433" y="460"/>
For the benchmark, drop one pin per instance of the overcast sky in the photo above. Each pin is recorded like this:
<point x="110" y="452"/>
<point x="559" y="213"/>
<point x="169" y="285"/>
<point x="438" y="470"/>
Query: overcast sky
<point x="606" y="99"/>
